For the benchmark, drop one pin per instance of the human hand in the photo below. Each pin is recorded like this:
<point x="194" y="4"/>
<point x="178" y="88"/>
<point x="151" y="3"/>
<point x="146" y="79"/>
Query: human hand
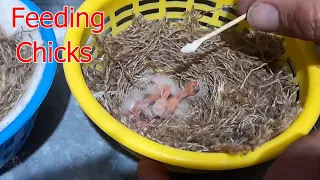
<point x="294" y="18"/>
<point x="301" y="160"/>
<point x="152" y="170"/>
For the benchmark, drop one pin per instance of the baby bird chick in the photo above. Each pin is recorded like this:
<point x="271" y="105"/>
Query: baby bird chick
<point x="160" y="81"/>
<point x="130" y="103"/>
<point x="203" y="91"/>
<point x="154" y="94"/>
<point x="160" y="106"/>
<point x="141" y="105"/>
<point x="191" y="89"/>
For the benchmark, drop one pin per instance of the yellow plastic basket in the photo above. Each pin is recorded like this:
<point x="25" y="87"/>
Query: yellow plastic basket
<point x="118" y="15"/>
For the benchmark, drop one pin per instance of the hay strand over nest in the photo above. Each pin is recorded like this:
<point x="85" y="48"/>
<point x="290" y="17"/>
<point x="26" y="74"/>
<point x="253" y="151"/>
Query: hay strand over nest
<point x="14" y="75"/>
<point x="245" y="99"/>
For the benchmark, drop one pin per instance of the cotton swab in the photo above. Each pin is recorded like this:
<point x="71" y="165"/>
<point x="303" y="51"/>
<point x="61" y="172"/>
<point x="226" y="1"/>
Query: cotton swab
<point x="191" y="47"/>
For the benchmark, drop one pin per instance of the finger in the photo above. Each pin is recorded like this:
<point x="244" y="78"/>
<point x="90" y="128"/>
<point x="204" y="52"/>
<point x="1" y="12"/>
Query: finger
<point x="244" y="5"/>
<point x="152" y="170"/>
<point x="296" y="18"/>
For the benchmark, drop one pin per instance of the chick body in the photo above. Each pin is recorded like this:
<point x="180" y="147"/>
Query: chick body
<point x="130" y="101"/>
<point x="160" y="107"/>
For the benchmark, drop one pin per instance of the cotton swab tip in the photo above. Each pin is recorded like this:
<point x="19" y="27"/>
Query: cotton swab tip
<point x="191" y="47"/>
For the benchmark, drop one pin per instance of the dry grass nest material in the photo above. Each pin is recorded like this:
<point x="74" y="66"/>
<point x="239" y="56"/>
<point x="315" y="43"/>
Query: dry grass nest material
<point x="14" y="75"/>
<point x="247" y="99"/>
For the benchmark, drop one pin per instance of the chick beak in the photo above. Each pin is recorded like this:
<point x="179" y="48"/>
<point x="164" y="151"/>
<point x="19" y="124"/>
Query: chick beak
<point x="196" y="87"/>
<point x="192" y="88"/>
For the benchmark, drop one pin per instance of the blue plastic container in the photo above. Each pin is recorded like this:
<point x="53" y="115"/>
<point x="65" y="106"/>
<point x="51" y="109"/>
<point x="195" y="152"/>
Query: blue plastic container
<point x="13" y="137"/>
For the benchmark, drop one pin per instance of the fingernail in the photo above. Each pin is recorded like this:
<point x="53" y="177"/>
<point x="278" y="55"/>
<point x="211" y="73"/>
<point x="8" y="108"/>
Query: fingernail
<point x="264" y="17"/>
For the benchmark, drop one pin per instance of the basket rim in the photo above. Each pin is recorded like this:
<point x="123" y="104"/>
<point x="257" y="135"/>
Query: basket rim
<point x="43" y="86"/>
<point x="182" y="158"/>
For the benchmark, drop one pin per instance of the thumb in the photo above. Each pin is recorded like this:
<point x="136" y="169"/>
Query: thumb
<point x="295" y="18"/>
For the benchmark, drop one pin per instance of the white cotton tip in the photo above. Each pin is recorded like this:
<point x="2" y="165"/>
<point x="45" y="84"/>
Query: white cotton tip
<point x="163" y="80"/>
<point x="191" y="47"/>
<point x="60" y="33"/>
<point x="182" y="110"/>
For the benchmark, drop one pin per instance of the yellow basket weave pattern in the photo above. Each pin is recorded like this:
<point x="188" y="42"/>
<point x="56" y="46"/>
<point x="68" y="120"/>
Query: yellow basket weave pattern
<point x="118" y="15"/>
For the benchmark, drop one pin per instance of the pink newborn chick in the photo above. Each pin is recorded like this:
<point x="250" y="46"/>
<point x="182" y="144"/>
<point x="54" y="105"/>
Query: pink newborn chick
<point x="140" y="105"/>
<point x="132" y="103"/>
<point x="160" y="106"/>
<point x="191" y="89"/>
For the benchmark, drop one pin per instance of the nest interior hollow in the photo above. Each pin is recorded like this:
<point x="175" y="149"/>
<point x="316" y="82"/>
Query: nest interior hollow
<point x="14" y="75"/>
<point x="246" y="97"/>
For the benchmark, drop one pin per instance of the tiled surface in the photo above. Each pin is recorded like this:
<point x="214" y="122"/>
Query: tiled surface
<point x="66" y="145"/>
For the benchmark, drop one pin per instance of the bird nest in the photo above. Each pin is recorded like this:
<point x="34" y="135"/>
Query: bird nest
<point x="14" y="75"/>
<point x="241" y="97"/>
